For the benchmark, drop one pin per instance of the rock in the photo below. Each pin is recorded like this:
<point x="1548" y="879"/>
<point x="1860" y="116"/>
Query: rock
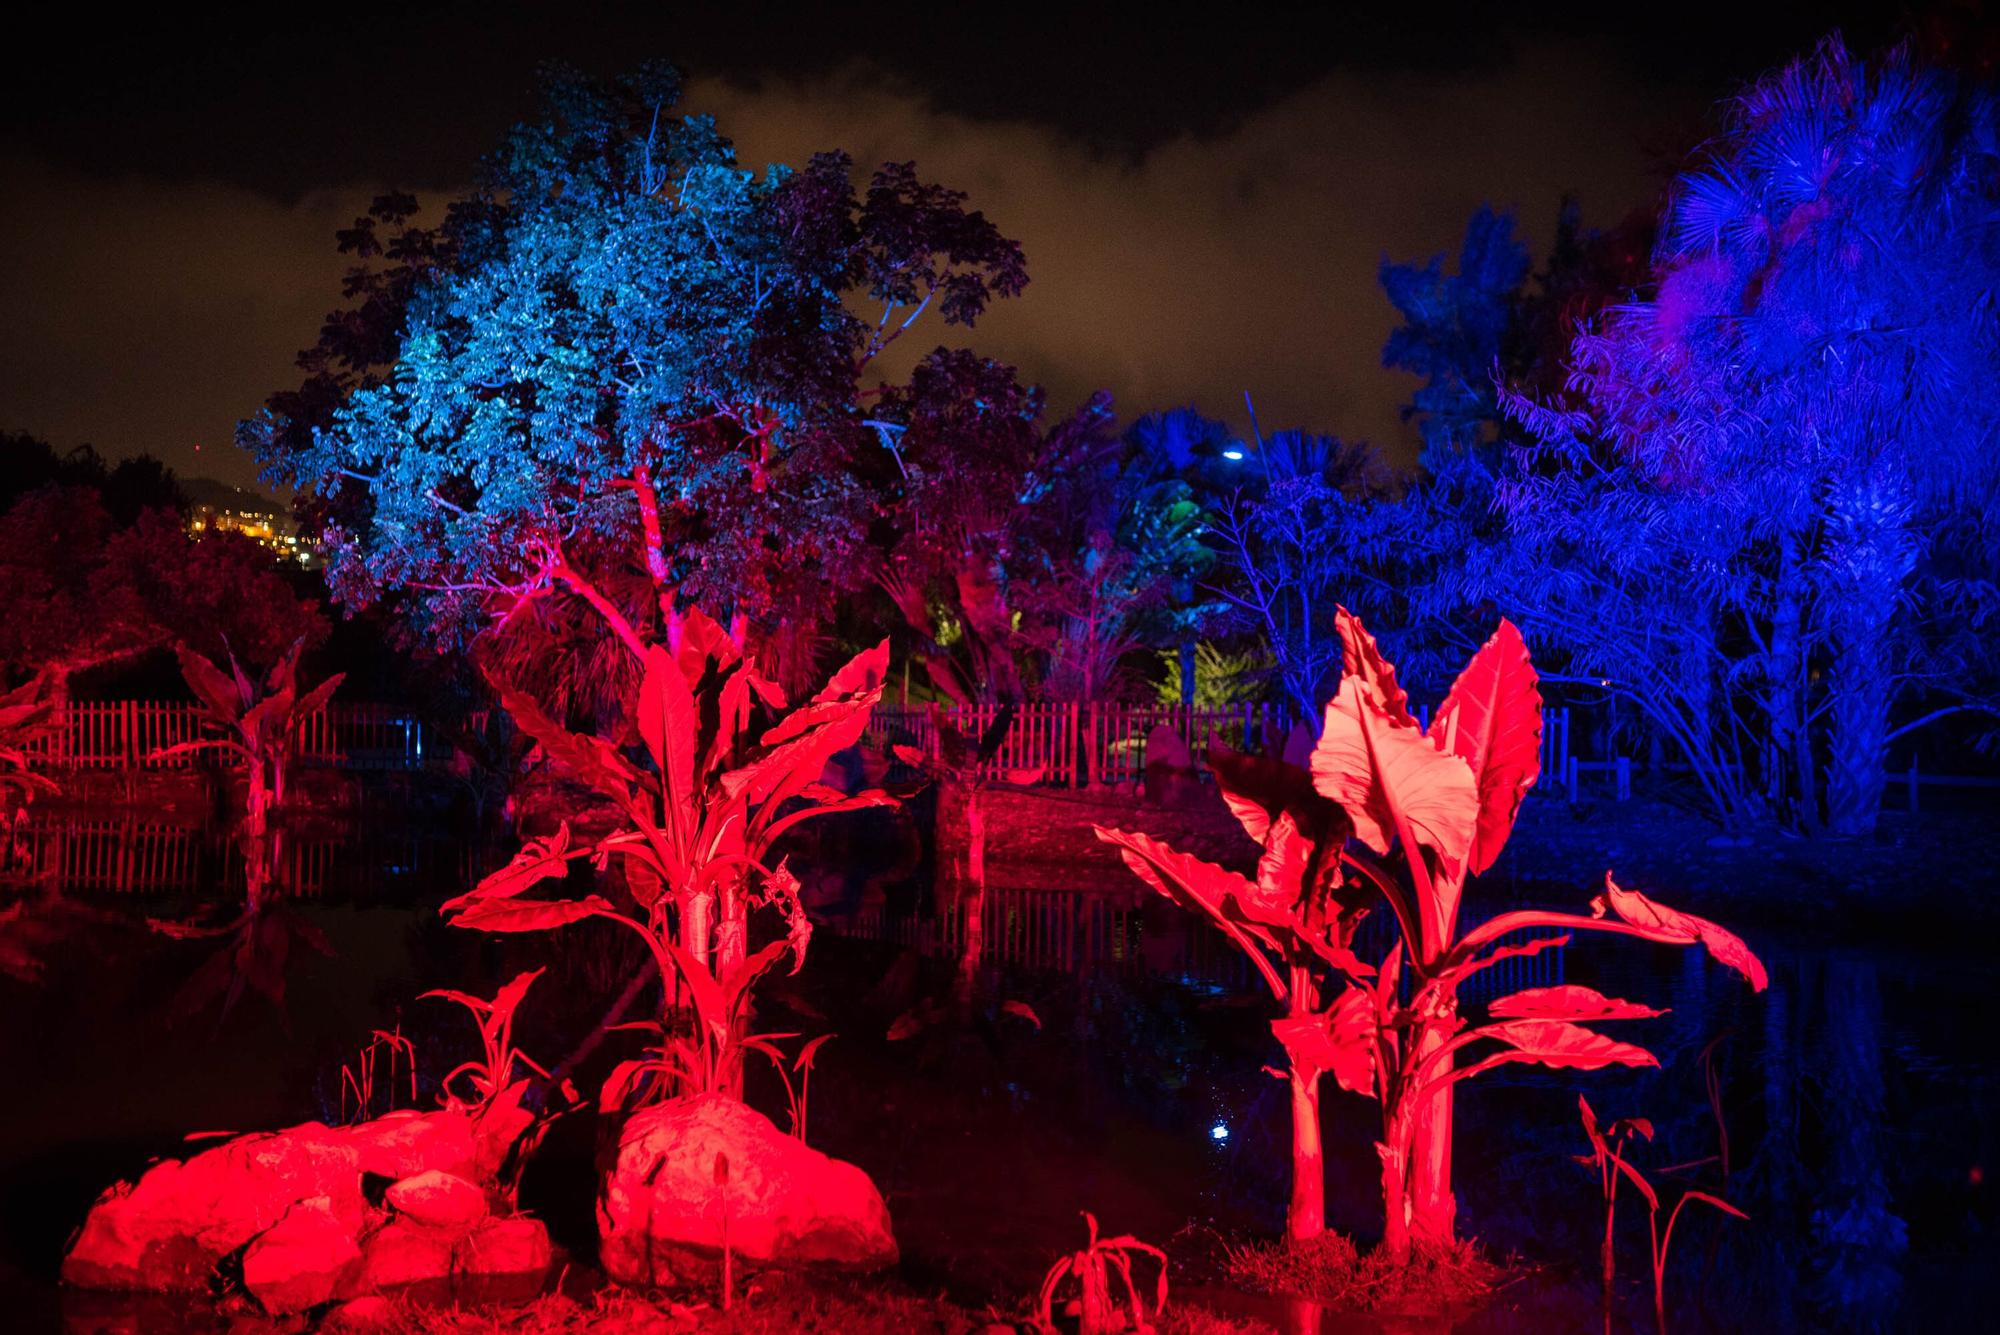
<point x="166" y="1233"/>
<point x="439" y="1200"/>
<point x="403" y="1256"/>
<point x="302" y="1259"/>
<point x="402" y="1144"/>
<point x="660" y="1210"/>
<point x="501" y="1261"/>
<point x="358" y="1316"/>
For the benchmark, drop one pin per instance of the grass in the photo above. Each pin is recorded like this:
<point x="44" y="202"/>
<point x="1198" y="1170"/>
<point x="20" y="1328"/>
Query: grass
<point x="775" y="1304"/>
<point x="1330" y="1270"/>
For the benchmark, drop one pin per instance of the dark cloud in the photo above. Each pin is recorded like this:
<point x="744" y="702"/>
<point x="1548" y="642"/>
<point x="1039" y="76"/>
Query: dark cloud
<point x="1203" y="210"/>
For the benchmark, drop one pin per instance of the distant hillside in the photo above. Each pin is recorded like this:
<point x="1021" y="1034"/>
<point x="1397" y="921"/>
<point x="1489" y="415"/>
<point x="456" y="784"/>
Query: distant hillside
<point x="220" y="495"/>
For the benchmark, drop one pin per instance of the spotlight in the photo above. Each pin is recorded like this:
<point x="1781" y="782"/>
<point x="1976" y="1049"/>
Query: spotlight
<point x="1233" y="454"/>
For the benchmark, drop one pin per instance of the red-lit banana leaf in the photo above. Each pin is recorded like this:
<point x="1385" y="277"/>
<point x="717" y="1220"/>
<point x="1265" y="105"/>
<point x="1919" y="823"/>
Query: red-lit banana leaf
<point x="670" y="726"/>
<point x="1387" y="776"/>
<point x="1723" y="944"/>
<point x="1189" y="881"/>
<point x="1539" y="1043"/>
<point x="592" y="760"/>
<point x="1570" y="1001"/>
<point x="1257" y="789"/>
<point x="1340" y="1040"/>
<point x="1492" y="719"/>
<point x="1361" y="657"/>
<point x="527" y="915"/>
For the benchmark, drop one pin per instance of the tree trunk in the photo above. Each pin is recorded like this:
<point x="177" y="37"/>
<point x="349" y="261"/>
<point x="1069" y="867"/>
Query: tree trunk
<point x="1395" y="1198"/>
<point x="1306" y="1217"/>
<point x="1433" y="1207"/>
<point x="1862" y="691"/>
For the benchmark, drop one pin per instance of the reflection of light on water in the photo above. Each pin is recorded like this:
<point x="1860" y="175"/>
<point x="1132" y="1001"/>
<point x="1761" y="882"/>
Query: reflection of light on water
<point x="1218" y="1132"/>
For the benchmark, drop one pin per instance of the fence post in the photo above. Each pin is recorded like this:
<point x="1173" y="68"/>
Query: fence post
<point x="129" y="720"/>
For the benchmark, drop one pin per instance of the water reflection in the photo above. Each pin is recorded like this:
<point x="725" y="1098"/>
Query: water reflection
<point x="1854" y="1097"/>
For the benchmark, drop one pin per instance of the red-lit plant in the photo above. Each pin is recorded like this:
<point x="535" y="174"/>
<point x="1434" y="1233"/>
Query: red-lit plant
<point x="961" y="761"/>
<point x="701" y="816"/>
<point x="259" y="720"/>
<point x="493" y="1070"/>
<point x="359" y="1078"/>
<point x="27" y="714"/>
<point x="1444" y="800"/>
<point x="1607" y="1156"/>
<point x="1098" y="1308"/>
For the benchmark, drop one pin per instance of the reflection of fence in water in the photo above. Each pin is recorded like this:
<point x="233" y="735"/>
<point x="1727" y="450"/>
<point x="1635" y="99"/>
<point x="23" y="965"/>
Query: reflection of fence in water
<point x="140" y="857"/>
<point x="1084" y="931"/>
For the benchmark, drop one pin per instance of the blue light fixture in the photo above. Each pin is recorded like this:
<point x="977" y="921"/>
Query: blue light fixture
<point x="1219" y="1132"/>
<point x="1234" y="455"/>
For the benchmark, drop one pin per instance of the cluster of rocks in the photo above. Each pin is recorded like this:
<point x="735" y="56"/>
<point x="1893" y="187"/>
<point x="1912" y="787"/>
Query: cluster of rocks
<point x="314" y="1213"/>
<point x="400" y="1206"/>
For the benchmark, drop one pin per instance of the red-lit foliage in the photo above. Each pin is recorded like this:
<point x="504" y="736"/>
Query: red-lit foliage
<point x="1607" y="1155"/>
<point x="961" y="760"/>
<point x="701" y="820"/>
<point x="1444" y="801"/>
<point x="259" y="719"/>
<point x="493" y="1070"/>
<point x="27" y="714"/>
<point x="1098" y="1309"/>
<point x="358" y="1078"/>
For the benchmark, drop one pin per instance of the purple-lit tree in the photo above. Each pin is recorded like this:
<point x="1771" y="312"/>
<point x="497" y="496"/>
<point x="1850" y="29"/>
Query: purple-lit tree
<point x="1764" y="513"/>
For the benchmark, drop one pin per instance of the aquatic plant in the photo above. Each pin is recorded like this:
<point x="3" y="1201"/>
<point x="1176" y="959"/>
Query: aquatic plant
<point x="1607" y="1154"/>
<point x="1444" y="799"/>
<point x="359" y="1078"/>
<point x="700" y="821"/>
<point x="1098" y="1308"/>
<point x="259" y="720"/>
<point x="493" y="1070"/>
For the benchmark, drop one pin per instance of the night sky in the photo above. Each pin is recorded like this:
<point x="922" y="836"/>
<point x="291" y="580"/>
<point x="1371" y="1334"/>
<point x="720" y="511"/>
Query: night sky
<point x="1203" y="200"/>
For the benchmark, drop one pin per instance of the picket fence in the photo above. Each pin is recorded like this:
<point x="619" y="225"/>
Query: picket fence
<point x="1073" y="745"/>
<point x="130" y="734"/>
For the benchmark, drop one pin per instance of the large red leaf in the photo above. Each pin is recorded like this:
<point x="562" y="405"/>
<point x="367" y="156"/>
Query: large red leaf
<point x="1559" y="1043"/>
<point x="1379" y="769"/>
<point x="1192" y="883"/>
<point x="1340" y="1040"/>
<point x="315" y="700"/>
<point x="1256" y="789"/>
<point x="590" y="759"/>
<point x="1281" y="872"/>
<point x="865" y="671"/>
<point x="527" y="915"/>
<point x="538" y="860"/>
<point x="1360" y="657"/>
<point x="1570" y="1001"/>
<point x="1492" y="719"/>
<point x="1723" y="944"/>
<point x="670" y="725"/>
<point x="211" y="683"/>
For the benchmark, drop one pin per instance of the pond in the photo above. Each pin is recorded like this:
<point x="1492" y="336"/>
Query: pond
<point x="1853" y="1100"/>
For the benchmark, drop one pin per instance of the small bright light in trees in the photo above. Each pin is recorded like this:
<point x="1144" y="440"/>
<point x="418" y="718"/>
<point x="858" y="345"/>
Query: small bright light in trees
<point x="1234" y="455"/>
<point x="1218" y="1132"/>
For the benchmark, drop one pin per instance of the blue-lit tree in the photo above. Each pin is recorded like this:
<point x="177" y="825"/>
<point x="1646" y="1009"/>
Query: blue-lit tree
<point x="620" y="377"/>
<point x="1762" y="510"/>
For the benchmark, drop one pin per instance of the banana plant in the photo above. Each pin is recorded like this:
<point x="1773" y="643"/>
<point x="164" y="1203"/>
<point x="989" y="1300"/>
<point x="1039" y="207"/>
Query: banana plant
<point x="1425" y="810"/>
<point x="259" y="720"/>
<point x="28" y="713"/>
<point x="703" y="809"/>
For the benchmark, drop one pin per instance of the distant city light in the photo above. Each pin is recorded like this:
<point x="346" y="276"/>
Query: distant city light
<point x="1233" y="455"/>
<point x="1218" y="1132"/>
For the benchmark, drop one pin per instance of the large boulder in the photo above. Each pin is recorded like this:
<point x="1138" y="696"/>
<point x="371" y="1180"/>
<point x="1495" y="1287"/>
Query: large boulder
<point x="301" y="1260"/>
<point x="662" y="1208"/>
<point x="501" y="1261"/>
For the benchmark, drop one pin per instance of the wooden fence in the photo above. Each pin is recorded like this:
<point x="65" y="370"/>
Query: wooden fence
<point x="1072" y="745"/>
<point x="129" y="734"/>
